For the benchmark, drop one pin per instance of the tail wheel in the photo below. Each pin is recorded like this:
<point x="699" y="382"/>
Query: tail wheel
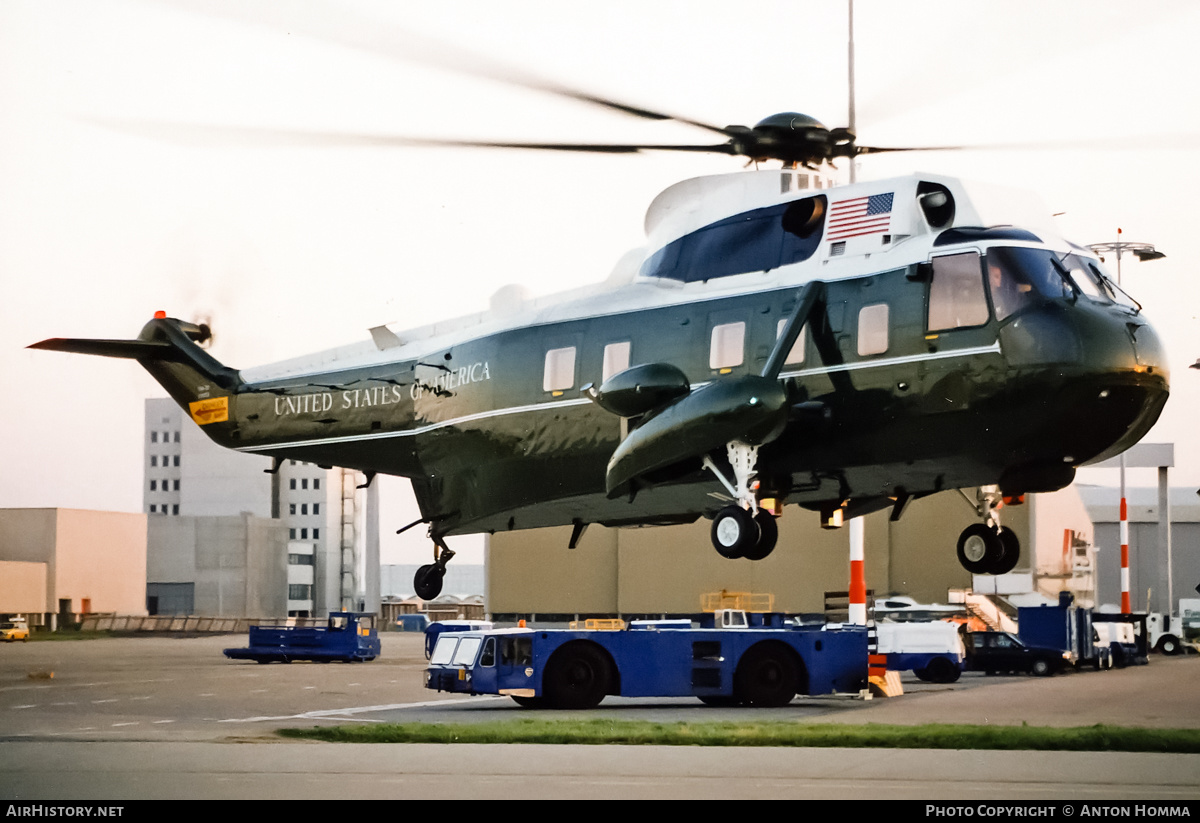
<point x="427" y="582"/>
<point x="734" y="532"/>
<point x="766" y="676"/>
<point x="577" y="677"/>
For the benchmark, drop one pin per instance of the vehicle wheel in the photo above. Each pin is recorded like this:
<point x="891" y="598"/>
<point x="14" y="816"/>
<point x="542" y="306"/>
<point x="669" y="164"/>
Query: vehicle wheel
<point x="1041" y="668"/>
<point x="1169" y="645"/>
<point x="923" y="674"/>
<point x="427" y="582"/>
<point x="1011" y="551"/>
<point x="734" y="532"/>
<point x="528" y="702"/>
<point x="768" y="536"/>
<point x="979" y="548"/>
<point x="766" y="676"/>
<point x="941" y="670"/>
<point x="725" y="700"/>
<point x="577" y="677"/>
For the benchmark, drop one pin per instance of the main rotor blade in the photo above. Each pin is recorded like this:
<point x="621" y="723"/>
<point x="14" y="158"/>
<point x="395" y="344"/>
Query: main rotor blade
<point x="1164" y="142"/>
<point x="202" y="135"/>
<point x="342" y="27"/>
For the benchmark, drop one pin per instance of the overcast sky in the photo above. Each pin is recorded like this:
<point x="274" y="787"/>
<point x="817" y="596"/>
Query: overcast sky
<point x="291" y="249"/>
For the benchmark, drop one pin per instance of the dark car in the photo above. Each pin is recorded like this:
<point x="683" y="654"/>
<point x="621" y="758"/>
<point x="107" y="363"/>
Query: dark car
<point x="993" y="652"/>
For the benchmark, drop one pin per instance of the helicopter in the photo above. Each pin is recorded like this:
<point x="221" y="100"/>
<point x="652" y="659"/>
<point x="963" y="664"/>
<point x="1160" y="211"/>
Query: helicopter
<point x="781" y="339"/>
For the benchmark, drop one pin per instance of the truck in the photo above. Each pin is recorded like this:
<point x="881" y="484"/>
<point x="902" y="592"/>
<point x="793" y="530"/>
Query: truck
<point x="348" y="637"/>
<point x="932" y="650"/>
<point x="730" y="663"/>
<point x="1174" y="634"/>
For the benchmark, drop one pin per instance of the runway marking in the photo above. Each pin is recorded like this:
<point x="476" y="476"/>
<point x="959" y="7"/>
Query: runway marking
<point x="324" y="713"/>
<point x="28" y="706"/>
<point x="156" y="722"/>
<point x="109" y="700"/>
<point x="130" y="723"/>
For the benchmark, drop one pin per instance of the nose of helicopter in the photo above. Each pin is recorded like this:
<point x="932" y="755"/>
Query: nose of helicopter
<point x="1128" y="366"/>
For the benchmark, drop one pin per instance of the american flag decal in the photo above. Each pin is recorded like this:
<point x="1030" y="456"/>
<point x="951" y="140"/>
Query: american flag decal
<point x="860" y="215"/>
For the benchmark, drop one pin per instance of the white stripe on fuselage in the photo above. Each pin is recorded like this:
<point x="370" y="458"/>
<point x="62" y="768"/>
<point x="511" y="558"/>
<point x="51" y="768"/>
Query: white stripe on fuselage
<point x="560" y="404"/>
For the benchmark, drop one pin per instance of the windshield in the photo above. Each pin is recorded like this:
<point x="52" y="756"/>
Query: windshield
<point x="1019" y="278"/>
<point x="467" y="649"/>
<point x="444" y="650"/>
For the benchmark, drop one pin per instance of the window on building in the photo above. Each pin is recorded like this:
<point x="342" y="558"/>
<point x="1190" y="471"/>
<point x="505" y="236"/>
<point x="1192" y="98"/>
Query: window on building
<point x="316" y="534"/>
<point x="304" y="508"/>
<point x="728" y="345"/>
<point x="166" y="437"/>
<point x="304" y="534"/>
<point x="175" y="508"/>
<point x="153" y="437"/>
<point x="873" y="329"/>
<point x="616" y="359"/>
<point x="300" y="560"/>
<point x="153" y="485"/>
<point x="154" y="460"/>
<point x="291" y="534"/>
<point x="304" y="482"/>
<point x="153" y="508"/>
<point x="956" y="295"/>
<point x="176" y="437"/>
<point x="176" y="460"/>
<point x="796" y="353"/>
<point x="291" y="508"/>
<point x="316" y="508"/>
<point x="292" y="484"/>
<point x="317" y="483"/>
<point x="176" y="485"/>
<point x="559" y="374"/>
<point x="299" y="591"/>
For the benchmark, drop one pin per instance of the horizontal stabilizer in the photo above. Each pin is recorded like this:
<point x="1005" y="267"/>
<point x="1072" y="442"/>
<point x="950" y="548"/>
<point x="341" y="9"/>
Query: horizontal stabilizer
<point x="133" y="349"/>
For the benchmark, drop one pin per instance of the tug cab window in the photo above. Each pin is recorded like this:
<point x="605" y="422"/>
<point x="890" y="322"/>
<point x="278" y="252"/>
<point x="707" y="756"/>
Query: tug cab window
<point x="956" y="294"/>
<point x="728" y="346"/>
<point x="559" y="374"/>
<point x="873" y="329"/>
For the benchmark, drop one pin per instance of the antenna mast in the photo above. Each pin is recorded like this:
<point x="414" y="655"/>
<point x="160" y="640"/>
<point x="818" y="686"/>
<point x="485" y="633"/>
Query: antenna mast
<point x="851" y="125"/>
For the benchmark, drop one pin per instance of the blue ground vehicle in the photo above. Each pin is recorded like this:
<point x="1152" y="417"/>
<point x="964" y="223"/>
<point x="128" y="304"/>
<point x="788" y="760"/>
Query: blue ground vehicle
<point x="349" y="637"/>
<point x="576" y="668"/>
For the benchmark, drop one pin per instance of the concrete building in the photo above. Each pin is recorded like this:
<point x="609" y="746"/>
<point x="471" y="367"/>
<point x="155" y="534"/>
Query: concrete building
<point x="235" y="566"/>
<point x="321" y="511"/>
<point x="56" y="564"/>
<point x="664" y="570"/>
<point x="1148" y="567"/>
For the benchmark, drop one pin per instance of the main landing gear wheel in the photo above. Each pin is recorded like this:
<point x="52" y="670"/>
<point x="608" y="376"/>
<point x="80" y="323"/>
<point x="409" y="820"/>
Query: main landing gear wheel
<point x="734" y="532"/>
<point x="979" y="549"/>
<point x="768" y="536"/>
<point x="737" y="533"/>
<point x="1012" y="551"/>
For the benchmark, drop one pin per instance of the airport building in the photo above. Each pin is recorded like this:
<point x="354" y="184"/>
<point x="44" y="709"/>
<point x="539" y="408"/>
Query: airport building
<point x="189" y="479"/>
<point x="58" y="564"/>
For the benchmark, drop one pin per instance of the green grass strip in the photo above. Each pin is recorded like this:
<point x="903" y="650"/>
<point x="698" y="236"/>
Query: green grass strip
<point x="601" y="731"/>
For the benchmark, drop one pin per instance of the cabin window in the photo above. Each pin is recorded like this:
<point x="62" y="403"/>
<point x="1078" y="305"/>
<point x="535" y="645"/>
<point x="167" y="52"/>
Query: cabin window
<point x="956" y="295"/>
<point x="873" y="329"/>
<point x="616" y="359"/>
<point x="1021" y="277"/>
<point x="560" y="370"/>
<point x="728" y="345"/>
<point x="796" y="354"/>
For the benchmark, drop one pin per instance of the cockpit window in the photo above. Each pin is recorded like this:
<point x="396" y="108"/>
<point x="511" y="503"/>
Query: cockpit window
<point x="1086" y="280"/>
<point x="1019" y="278"/>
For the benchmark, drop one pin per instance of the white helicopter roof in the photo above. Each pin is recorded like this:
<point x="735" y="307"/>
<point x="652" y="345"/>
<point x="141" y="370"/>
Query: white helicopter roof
<point x="896" y="234"/>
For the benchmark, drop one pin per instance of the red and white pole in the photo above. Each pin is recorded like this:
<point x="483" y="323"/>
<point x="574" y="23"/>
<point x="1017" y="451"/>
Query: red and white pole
<point x="858" y="578"/>
<point x="1125" y="605"/>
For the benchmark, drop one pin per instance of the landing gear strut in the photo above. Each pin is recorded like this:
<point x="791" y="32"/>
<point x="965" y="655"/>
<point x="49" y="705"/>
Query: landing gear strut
<point x="427" y="582"/>
<point x="743" y="529"/>
<point x="988" y="547"/>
